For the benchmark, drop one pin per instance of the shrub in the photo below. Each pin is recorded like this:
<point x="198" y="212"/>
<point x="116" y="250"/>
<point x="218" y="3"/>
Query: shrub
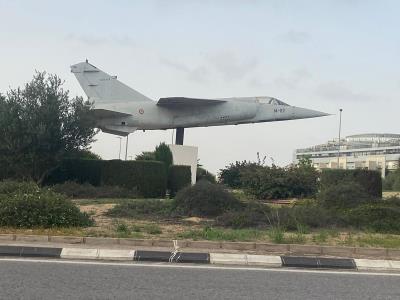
<point x="392" y="181"/>
<point x="9" y="187"/>
<point x="86" y="190"/>
<point x="141" y="208"/>
<point x="178" y="178"/>
<point x="146" y="155"/>
<point x="265" y="182"/>
<point x="203" y="174"/>
<point x="231" y="175"/>
<point x="205" y="199"/>
<point x="253" y="215"/>
<point x="344" y="195"/>
<point x="40" y="208"/>
<point x="371" y="181"/>
<point x="274" y="182"/>
<point x="380" y="217"/>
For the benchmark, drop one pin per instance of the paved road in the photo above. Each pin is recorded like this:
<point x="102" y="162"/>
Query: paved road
<point x="60" y="280"/>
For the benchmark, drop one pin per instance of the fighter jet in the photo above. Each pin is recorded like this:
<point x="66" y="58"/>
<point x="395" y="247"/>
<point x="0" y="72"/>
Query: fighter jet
<point x="121" y="110"/>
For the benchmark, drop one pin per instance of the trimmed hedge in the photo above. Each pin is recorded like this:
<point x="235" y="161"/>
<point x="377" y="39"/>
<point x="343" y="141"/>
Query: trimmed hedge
<point x="178" y="178"/>
<point x="148" y="177"/>
<point x="371" y="181"/>
<point x="78" y="170"/>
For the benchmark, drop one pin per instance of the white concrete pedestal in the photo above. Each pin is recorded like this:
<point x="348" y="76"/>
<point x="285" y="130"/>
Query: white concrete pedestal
<point x="185" y="156"/>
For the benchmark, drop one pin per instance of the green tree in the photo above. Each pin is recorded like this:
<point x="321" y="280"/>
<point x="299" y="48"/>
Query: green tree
<point x="164" y="154"/>
<point x="39" y="126"/>
<point x="146" y="155"/>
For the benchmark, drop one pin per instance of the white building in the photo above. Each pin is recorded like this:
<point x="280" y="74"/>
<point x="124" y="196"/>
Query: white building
<point x="361" y="151"/>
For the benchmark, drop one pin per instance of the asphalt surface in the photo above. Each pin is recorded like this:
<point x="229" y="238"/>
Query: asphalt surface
<point x="27" y="279"/>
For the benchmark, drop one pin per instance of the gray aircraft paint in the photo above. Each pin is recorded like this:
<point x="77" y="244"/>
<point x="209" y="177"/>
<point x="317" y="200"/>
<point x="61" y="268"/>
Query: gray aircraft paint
<point x="120" y="110"/>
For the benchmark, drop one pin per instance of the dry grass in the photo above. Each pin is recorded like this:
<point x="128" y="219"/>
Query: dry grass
<point x="198" y="228"/>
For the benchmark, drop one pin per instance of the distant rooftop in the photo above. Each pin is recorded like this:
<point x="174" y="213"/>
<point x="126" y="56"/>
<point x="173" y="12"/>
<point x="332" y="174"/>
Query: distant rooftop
<point x="357" y="141"/>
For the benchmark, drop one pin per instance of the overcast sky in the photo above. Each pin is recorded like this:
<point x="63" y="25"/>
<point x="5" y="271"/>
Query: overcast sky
<point x="322" y="55"/>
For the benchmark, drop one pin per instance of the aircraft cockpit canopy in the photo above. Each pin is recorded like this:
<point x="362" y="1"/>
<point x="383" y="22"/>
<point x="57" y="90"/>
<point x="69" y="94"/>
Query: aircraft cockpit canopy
<point x="275" y="101"/>
<point x="270" y="100"/>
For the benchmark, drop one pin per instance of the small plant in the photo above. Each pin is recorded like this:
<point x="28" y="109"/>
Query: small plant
<point x="153" y="229"/>
<point x="297" y="238"/>
<point x="217" y="234"/>
<point x="321" y="237"/>
<point x="348" y="240"/>
<point x="136" y="228"/>
<point x="302" y="229"/>
<point x="122" y="230"/>
<point x="122" y="227"/>
<point x="277" y="234"/>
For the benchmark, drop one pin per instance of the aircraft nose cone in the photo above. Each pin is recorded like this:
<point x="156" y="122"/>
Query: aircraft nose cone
<point x="304" y="113"/>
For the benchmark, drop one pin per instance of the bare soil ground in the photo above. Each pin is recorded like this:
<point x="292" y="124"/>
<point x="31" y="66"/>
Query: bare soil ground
<point x="195" y="228"/>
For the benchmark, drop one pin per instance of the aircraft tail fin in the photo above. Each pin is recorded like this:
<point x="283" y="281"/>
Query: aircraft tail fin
<point x="103" y="88"/>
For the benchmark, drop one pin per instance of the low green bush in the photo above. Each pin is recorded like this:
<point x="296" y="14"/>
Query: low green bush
<point x="141" y="208"/>
<point x="252" y="215"/>
<point x="379" y="217"/>
<point x="302" y="215"/>
<point x="273" y="182"/>
<point x="392" y="181"/>
<point x="40" y="208"/>
<point x="203" y="174"/>
<point x="231" y="175"/>
<point x="205" y="199"/>
<point x="9" y="186"/>
<point x="344" y="195"/>
<point x="370" y="181"/>
<point x="88" y="191"/>
<point x="178" y="178"/>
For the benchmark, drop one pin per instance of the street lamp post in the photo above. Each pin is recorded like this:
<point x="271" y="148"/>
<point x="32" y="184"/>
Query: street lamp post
<point x="340" y="129"/>
<point x="126" y="149"/>
<point x="120" y="142"/>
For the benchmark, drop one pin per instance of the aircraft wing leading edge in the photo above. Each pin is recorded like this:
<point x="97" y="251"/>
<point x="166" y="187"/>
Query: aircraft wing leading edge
<point x="176" y="102"/>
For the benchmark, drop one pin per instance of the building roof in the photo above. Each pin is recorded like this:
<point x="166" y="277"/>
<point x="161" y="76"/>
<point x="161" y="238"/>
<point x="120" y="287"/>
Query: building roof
<point x="357" y="141"/>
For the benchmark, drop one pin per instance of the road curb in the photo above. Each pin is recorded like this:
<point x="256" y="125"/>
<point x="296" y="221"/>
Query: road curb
<point x="217" y="246"/>
<point x="267" y="261"/>
<point x="22" y="251"/>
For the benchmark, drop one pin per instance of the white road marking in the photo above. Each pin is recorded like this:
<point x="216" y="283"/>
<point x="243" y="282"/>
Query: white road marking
<point x="163" y="265"/>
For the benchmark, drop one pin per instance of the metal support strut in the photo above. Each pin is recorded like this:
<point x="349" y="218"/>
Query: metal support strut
<point x="180" y="132"/>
